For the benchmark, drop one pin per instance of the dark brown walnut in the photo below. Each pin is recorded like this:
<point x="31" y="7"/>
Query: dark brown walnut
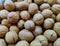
<point x="47" y="13"/>
<point x="25" y="15"/>
<point x="20" y="24"/>
<point x="50" y="35"/>
<point x="48" y="23"/>
<point x="29" y="25"/>
<point x="11" y="37"/>
<point x="21" y="5"/>
<point x="33" y="8"/>
<point x="9" y="5"/>
<point x="39" y="2"/>
<point x="3" y="31"/>
<point x="42" y="39"/>
<point x="3" y="14"/>
<point x="14" y="28"/>
<point x="38" y="18"/>
<point x="13" y="17"/>
<point x="5" y="22"/>
<point x="26" y="35"/>
<point x="38" y="30"/>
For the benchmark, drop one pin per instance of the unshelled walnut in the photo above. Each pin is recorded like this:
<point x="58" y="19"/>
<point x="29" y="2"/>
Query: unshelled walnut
<point x="50" y="35"/>
<point x="1" y="6"/>
<point x="57" y="42"/>
<point x="29" y="25"/>
<point x="25" y="15"/>
<point x="47" y="13"/>
<point x="58" y="18"/>
<point x="57" y="28"/>
<point x="2" y="42"/>
<point x="14" y="28"/>
<point x="21" y="5"/>
<point x="3" y="30"/>
<point x="5" y="22"/>
<point x="38" y="18"/>
<point x="56" y="8"/>
<point x="20" y="24"/>
<point x="3" y="14"/>
<point x="42" y="39"/>
<point x="48" y="23"/>
<point x="13" y="17"/>
<point x="22" y="43"/>
<point x="51" y="2"/>
<point x="9" y="5"/>
<point x="38" y="30"/>
<point x="39" y="1"/>
<point x="35" y="43"/>
<point x="26" y="35"/>
<point x="11" y="37"/>
<point x="44" y="6"/>
<point x="33" y="8"/>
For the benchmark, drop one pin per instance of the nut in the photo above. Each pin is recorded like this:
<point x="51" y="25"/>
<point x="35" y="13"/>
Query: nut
<point x="38" y="19"/>
<point x="42" y="39"/>
<point x="21" y="5"/>
<point x="48" y="23"/>
<point x="25" y="15"/>
<point x="13" y="17"/>
<point x="38" y="30"/>
<point x="47" y="13"/>
<point x="14" y="28"/>
<point x="11" y="37"/>
<point x="26" y="35"/>
<point x="9" y="5"/>
<point x="50" y="35"/>
<point x="29" y="25"/>
<point x="33" y="8"/>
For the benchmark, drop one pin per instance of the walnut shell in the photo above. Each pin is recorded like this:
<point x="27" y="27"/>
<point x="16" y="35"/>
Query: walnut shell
<point x="11" y="37"/>
<point x="9" y="5"/>
<point x="29" y="25"/>
<point x="42" y="39"/>
<point x="38" y="19"/>
<point x="25" y="15"/>
<point x="50" y="35"/>
<point x="48" y="23"/>
<point x="33" y="8"/>
<point x="26" y="35"/>
<point x="13" y="17"/>
<point x="47" y="13"/>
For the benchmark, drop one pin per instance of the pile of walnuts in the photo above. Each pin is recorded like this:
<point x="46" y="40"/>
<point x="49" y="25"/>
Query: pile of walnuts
<point x="30" y="23"/>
